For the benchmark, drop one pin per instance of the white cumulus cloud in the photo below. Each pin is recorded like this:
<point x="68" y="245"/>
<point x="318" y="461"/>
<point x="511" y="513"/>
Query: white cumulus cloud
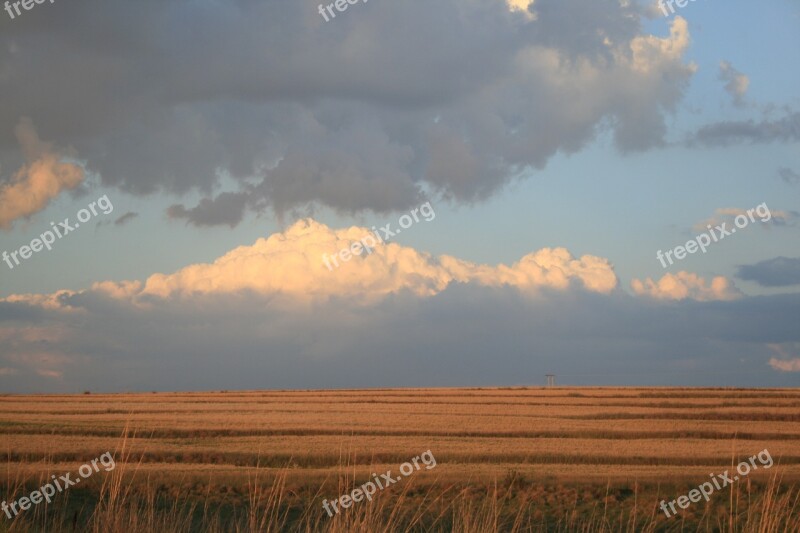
<point x="686" y="285"/>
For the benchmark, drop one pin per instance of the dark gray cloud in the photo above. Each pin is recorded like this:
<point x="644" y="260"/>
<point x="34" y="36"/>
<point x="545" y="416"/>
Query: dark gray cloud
<point x="124" y="219"/>
<point x="789" y="176"/>
<point x="225" y="209"/>
<point x="120" y="221"/>
<point x="10" y="313"/>
<point x="367" y="112"/>
<point x="777" y="272"/>
<point x="257" y="342"/>
<point x="785" y="129"/>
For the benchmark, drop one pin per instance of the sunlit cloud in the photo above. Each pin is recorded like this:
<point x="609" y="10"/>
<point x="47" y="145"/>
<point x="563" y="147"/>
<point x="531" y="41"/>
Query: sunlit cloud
<point x="291" y="263"/>
<point x="42" y="178"/>
<point x="787" y="360"/>
<point x="686" y="285"/>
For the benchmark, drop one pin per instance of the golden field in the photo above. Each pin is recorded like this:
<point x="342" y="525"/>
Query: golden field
<point x="524" y="459"/>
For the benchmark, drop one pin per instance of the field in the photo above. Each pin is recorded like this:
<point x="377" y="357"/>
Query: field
<point x="526" y="459"/>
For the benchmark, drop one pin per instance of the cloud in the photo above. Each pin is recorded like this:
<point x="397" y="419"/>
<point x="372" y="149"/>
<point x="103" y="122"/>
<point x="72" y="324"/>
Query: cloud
<point x="53" y="374"/>
<point x="787" y="361"/>
<point x="789" y="176"/>
<point x="270" y="314"/>
<point x="227" y="209"/>
<point x="35" y="349"/>
<point x="522" y="6"/>
<point x="466" y="335"/>
<point x="777" y="272"/>
<point x="726" y="133"/>
<point x="124" y="219"/>
<point x="58" y="300"/>
<point x="761" y="213"/>
<point x="122" y="290"/>
<point x="121" y="220"/>
<point x="792" y="365"/>
<point x="736" y="83"/>
<point x="686" y="285"/>
<point x="292" y="264"/>
<point x="44" y="176"/>
<point x="355" y="115"/>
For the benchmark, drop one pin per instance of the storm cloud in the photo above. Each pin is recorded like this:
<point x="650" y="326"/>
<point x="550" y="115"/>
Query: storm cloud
<point x="355" y="114"/>
<point x="777" y="272"/>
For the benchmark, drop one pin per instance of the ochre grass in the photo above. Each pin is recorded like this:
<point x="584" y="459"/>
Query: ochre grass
<point x="534" y="459"/>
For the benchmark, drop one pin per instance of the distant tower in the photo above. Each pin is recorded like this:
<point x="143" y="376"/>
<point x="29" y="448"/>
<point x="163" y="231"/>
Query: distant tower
<point x="551" y="380"/>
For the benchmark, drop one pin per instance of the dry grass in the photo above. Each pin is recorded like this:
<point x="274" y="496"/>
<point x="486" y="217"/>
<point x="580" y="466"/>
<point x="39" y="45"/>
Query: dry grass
<point x="589" y="459"/>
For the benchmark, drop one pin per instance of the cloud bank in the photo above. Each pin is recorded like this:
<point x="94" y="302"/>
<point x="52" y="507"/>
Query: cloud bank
<point x="271" y="314"/>
<point x="403" y="99"/>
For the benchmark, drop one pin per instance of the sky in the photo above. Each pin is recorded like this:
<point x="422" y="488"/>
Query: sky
<point x="194" y="194"/>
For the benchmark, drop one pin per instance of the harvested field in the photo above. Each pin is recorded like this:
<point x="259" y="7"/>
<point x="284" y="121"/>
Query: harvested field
<point x="581" y="444"/>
